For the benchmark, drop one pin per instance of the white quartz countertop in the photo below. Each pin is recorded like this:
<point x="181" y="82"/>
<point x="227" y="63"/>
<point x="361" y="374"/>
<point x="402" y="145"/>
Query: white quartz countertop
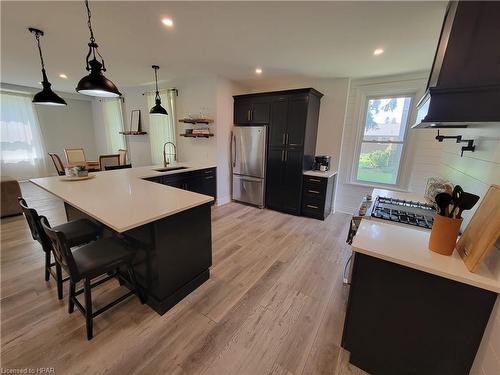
<point x="408" y="246"/>
<point x="326" y="174"/>
<point x="122" y="199"/>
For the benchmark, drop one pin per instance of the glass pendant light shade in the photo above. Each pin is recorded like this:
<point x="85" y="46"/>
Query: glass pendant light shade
<point x="157" y="109"/>
<point x="46" y="96"/>
<point x="95" y="84"/>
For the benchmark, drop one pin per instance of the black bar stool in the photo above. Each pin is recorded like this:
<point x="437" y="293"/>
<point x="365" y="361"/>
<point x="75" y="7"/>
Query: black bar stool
<point x="97" y="258"/>
<point x="78" y="232"/>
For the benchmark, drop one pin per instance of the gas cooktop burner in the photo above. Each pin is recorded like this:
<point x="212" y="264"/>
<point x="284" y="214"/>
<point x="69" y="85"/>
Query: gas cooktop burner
<point x="403" y="211"/>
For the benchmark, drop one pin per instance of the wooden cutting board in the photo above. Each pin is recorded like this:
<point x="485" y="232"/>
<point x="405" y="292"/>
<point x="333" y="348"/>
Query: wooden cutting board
<point x="483" y="230"/>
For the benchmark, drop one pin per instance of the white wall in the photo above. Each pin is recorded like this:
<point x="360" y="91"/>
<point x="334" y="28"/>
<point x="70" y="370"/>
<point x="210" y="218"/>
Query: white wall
<point x="70" y="126"/>
<point x="211" y="95"/>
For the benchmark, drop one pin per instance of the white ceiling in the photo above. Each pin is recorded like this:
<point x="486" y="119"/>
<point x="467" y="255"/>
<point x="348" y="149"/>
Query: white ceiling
<point x="317" y="39"/>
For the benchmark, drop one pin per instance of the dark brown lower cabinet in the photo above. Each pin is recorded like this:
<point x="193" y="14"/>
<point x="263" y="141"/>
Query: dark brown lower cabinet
<point x="403" y="321"/>
<point x="317" y="196"/>
<point x="203" y="181"/>
<point x="284" y="180"/>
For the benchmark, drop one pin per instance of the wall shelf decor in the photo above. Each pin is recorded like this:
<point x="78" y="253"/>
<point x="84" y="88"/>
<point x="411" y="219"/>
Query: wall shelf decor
<point x="196" y="120"/>
<point x="197" y="135"/>
<point x="135" y="122"/>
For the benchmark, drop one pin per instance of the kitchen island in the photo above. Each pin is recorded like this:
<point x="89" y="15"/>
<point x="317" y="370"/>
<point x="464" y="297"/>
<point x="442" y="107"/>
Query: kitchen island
<point x="410" y="310"/>
<point x="169" y="228"/>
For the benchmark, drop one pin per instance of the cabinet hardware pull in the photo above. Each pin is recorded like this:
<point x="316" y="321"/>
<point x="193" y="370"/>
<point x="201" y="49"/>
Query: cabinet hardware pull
<point x="286" y="139"/>
<point x="234" y="151"/>
<point x="209" y="177"/>
<point x="313" y="191"/>
<point x="283" y="141"/>
<point x="286" y="155"/>
<point x="249" y="115"/>
<point x="311" y="206"/>
<point x="314" y="180"/>
<point x="282" y="155"/>
<point x="209" y="171"/>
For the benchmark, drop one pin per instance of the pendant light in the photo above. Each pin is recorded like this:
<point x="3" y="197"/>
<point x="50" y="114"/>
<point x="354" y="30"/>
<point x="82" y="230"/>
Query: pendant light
<point x="157" y="110"/>
<point x="46" y="96"/>
<point x="95" y="84"/>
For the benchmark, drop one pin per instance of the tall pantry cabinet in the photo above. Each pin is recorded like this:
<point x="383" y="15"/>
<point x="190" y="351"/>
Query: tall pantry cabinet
<point x="292" y="131"/>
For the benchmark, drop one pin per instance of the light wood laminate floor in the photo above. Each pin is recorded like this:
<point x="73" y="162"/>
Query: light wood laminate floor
<point x="274" y="304"/>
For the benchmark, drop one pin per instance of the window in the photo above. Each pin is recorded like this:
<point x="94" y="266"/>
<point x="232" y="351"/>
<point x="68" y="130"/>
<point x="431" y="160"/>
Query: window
<point x="162" y="128"/>
<point x="113" y="124"/>
<point x="382" y="139"/>
<point x="22" y="151"/>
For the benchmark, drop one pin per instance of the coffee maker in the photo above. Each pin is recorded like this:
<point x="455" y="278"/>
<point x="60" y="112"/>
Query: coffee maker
<point x="321" y="163"/>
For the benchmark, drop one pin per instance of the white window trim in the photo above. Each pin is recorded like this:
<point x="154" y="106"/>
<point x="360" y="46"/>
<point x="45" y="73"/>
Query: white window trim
<point x="412" y="89"/>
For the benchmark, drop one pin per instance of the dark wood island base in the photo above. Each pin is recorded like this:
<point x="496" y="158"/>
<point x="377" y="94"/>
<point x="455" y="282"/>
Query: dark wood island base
<point x="173" y="254"/>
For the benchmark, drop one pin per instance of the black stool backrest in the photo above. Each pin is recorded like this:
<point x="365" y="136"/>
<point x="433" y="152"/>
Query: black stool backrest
<point x="35" y="225"/>
<point x="61" y="250"/>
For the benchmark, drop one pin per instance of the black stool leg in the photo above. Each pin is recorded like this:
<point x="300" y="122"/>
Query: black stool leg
<point x="59" y="281"/>
<point x="47" y="265"/>
<point x="88" y="309"/>
<point x="135" y="284"/>
<point x="71" y="305"/>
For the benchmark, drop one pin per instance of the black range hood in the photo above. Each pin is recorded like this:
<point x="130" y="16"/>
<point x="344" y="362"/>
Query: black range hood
<point x="464" y="85"/>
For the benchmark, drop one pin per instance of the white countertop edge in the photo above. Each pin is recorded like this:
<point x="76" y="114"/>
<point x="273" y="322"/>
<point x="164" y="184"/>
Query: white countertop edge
<point x="139" y="223"/>
<point x="326" y="174"/>
<point x="461" y="274"/>
<point x="149" y="172"/>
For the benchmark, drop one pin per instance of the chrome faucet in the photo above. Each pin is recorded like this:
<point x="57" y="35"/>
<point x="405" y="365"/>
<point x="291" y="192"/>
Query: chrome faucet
<point x="165" y="161"/>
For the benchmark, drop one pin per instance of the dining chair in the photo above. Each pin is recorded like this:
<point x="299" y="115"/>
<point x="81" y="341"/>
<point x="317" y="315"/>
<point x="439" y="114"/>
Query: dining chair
<point x="77" y="232"/>
<point x="102" y="257"/>
<point x="57" y="163"/>
<point x="123" y="156"/>
<point x="76" y="156"/>
<point x="108" y="160"/>
<point x="114" y="167"/>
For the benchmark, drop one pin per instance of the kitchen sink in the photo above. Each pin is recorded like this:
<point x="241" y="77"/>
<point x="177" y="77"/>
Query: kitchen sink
<point x="168" y="169"/>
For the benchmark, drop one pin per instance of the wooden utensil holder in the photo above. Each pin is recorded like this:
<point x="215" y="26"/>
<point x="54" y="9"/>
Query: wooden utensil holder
<point x="444" y="234"/>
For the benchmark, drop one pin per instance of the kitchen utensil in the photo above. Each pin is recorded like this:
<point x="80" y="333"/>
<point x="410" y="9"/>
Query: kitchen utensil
<point x="456" y="198"/>
<point x="443" y="200"/>
<point x="483" y="230"/>
<point x="467" y="202"/>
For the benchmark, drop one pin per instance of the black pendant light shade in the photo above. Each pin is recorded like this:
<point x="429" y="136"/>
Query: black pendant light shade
<point x="95" y="84"/>
<point x="46" y="96"/>
<point x="157" y="108"/>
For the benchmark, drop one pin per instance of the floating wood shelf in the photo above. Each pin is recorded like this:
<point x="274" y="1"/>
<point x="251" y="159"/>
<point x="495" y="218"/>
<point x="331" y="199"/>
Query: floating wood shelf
<point x="197" y="135"/>
<point x="133" y="133"/>
<point x="196" y="120"/>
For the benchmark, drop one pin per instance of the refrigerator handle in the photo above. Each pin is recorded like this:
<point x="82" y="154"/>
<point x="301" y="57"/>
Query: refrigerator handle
<point x="233" y="144"/>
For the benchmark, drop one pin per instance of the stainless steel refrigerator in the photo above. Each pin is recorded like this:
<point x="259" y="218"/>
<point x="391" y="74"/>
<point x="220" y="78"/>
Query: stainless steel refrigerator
<point x="248" y="156"/>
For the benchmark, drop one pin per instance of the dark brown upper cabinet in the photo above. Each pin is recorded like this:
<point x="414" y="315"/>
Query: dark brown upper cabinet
<point x="252" y="112"/>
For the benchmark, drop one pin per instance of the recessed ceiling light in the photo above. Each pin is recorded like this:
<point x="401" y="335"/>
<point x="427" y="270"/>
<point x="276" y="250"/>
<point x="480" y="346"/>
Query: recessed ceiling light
<point x="167" y="22"/>
<point x="378" y="51"/>
<point x="62" y="75"/>
<point x="258" y="71"/>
